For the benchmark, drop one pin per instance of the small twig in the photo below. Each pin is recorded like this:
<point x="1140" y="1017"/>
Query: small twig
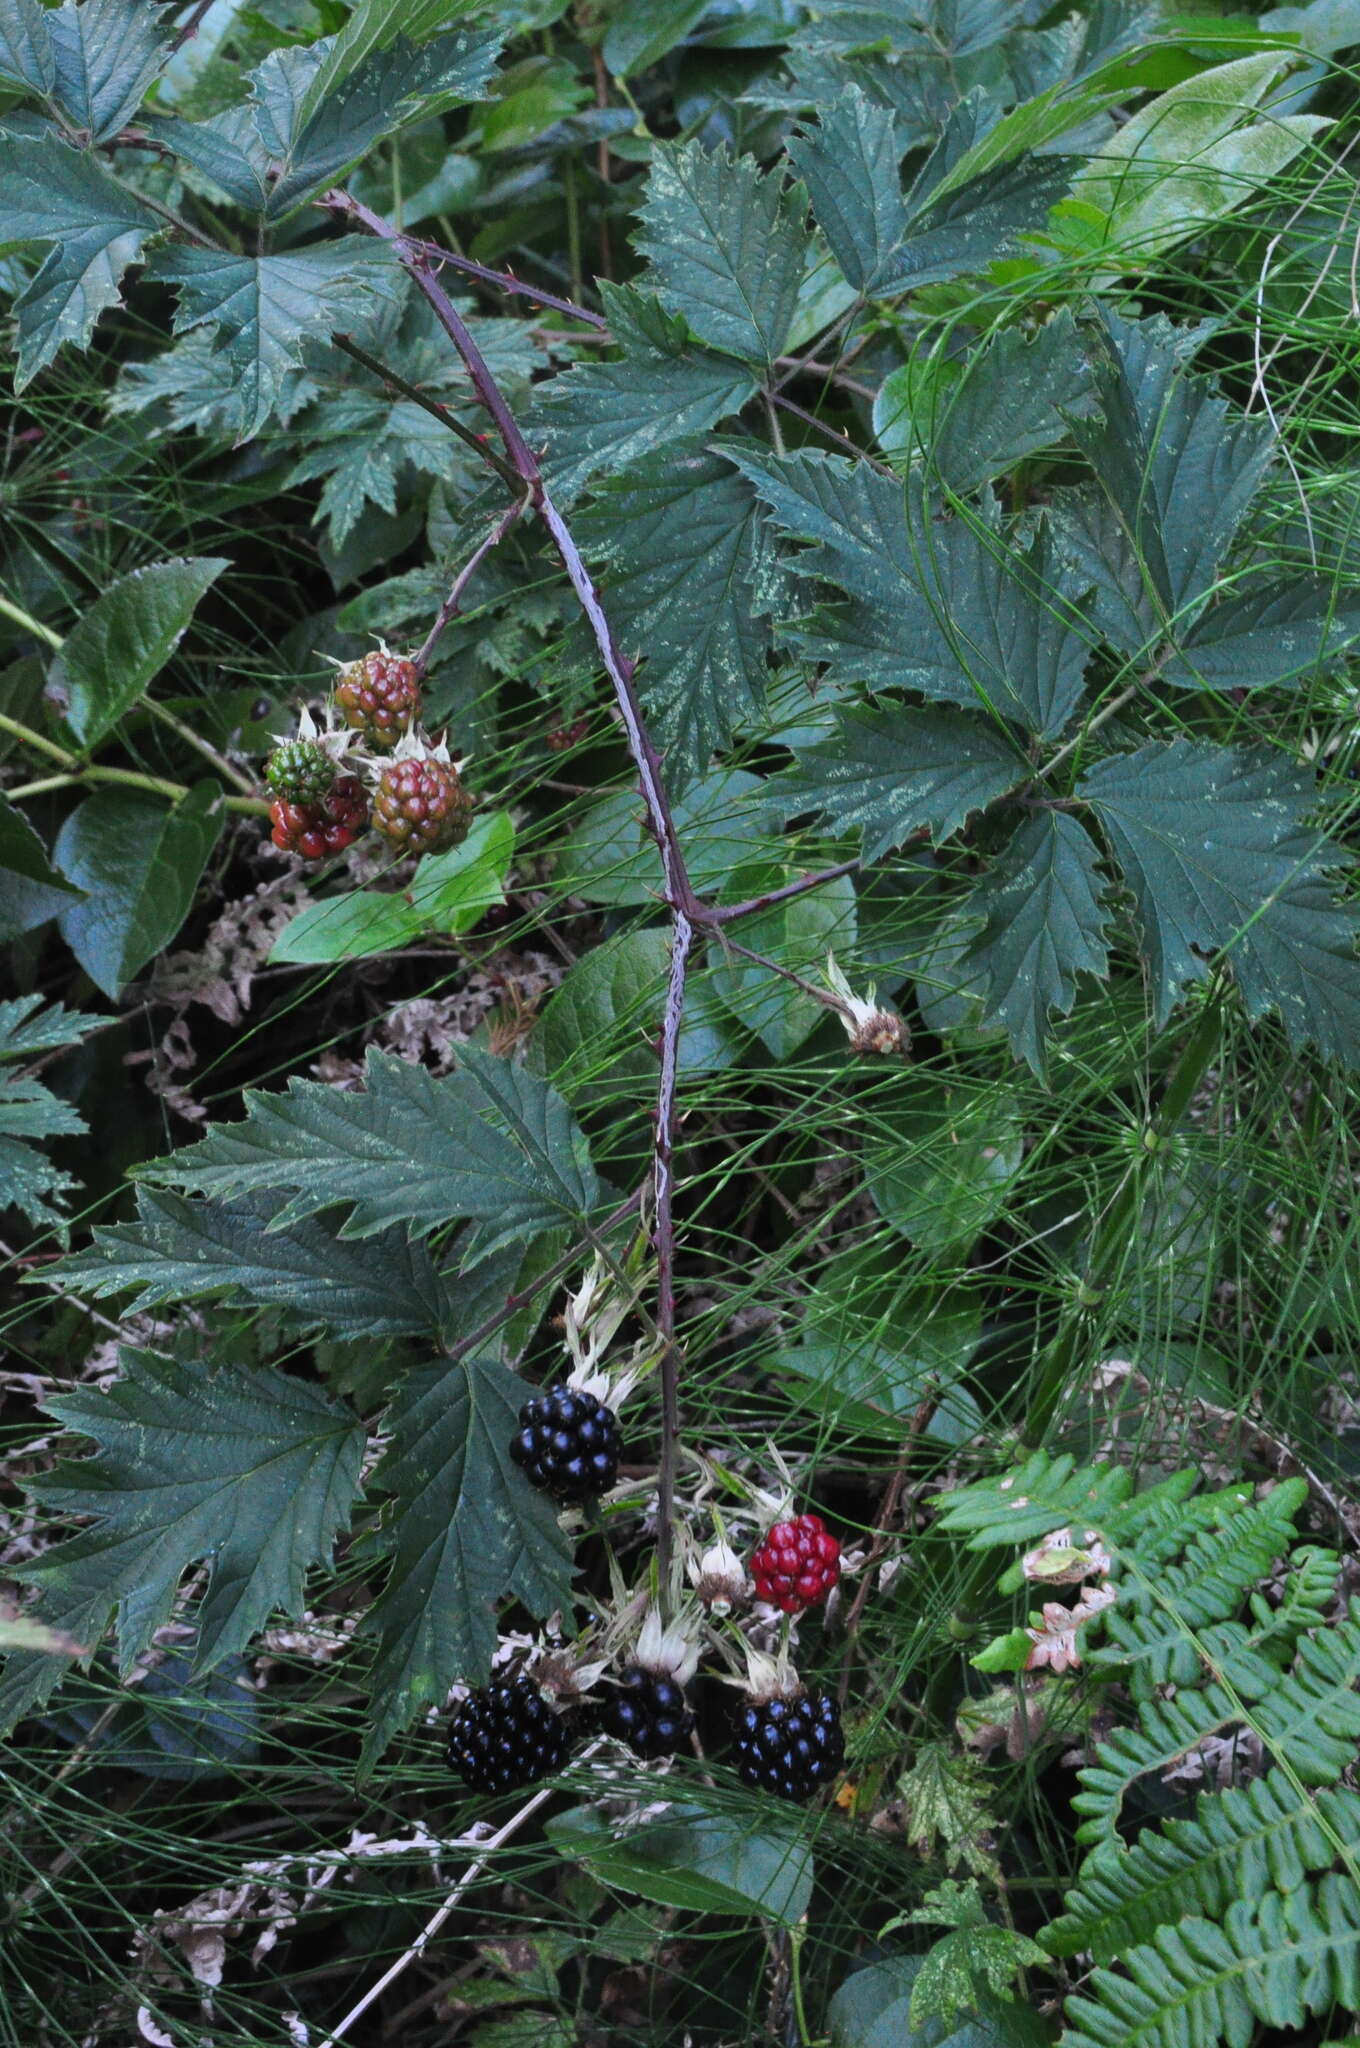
<point x="128" y="778"/>
<point x="506" y="281"/>
<point x="842" y="440"/>
<point x="191" y="26"/>
<point x="219" y="761"/>
<point x="452" y="604"/>
<point x="726" y="913"/>
<point x="29" y="738"/>
<point x="513" y="1303"/>
<point x="809" y="367"/>
<point x="396" y="382"/>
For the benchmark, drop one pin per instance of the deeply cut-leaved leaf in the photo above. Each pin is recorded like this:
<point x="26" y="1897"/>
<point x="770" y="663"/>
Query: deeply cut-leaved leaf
<point x="247" y="1469"/>
<point x="466" y="1532"/>
<point x="1044" y="923"/>
<point x="894" y="769"/>
<point x="489" y="1142"/>
<point x="1215" y="850"/>
<point x="726" y="246"/>
<point x="849" y="163"/>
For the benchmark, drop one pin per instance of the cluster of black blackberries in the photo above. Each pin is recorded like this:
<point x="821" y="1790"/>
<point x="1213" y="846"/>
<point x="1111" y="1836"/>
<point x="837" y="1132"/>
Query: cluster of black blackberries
<point x="567" y="1444"/>
<point x="507" y="1736"/>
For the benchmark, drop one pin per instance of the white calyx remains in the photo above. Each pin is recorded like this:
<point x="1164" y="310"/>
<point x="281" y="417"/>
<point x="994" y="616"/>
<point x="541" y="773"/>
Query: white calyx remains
<point x="869" y="1026"/>
<point x="591" y="1322"/>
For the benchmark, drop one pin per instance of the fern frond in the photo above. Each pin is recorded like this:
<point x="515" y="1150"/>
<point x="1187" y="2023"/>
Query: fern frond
<point x="1036" y="1497"/>
<point x="1265" y="1836"/>
<point x="1312" y="1718"/>
<point x="1275" y="1960"/>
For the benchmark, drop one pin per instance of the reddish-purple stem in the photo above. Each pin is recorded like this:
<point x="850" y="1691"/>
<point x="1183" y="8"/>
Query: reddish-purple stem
<point x="726" y="913"/>
<point x="452" y="604"/>
<point x="506" y="281"/>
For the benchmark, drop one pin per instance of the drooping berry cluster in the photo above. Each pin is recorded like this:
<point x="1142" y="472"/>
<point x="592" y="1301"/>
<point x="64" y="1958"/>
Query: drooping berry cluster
<point x="797" y="1564"/>
<point x="420" y="805"/>
<point x="315" y="829"/>
<point x="647" y="1711"/>
<point x="506" y="1736"/>
<point x="567" y="1443"/>
<point x="379" y="696"/>
<point x="300" y="771"/>
<point x="789" y="1745"/>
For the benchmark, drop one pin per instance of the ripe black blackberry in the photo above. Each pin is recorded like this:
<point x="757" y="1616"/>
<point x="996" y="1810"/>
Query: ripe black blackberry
<point x="567" y="1443"/>
<point x="647" y="1710"/>
<point x="507" y="1736"/>
<point x="789" y="1745"/>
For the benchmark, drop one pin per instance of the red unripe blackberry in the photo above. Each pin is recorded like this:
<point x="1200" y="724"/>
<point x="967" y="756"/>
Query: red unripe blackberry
<point x="647" y="1710"/>
<point x="300" y="772"/>
<point x="567" y="1443"/>
<point x="505" y="1736"/>
<point x="797" y="1564"/>
<point x="314" y="830"/>
<point x="789" y="1745"/>
<point x="421" y="806"/>
<point x="379" y="697"/>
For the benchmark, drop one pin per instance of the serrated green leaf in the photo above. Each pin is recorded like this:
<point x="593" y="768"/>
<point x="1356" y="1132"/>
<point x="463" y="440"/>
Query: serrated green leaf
<point x="692" y="584"/>
<point x="180" y="1250"/>
<point x="893" y="769"/>
<point x="1178" y="465"/>
<point x="318" y="141"/>
<point x="139" y="860"/>
<point x="50" y="192"/>
<point x="124" y="639"/>
<point x="375" y="25"/>
<point x="849" y="163"/>
<point x="695" y="1861"/>
<point x="26" y="1027"/>
<point x="32" y="890"/>
<point x="1044" y="922"/>
<point x="467" y="1532"/>
<point x="107" y="53"/>
<point x="1100" y="556"/>
<point x="27" y="59"/>
<point x="227" y="149"/>
<point x="872" y="2009"/>
<point x="1289" y="633"/>
<point x="945" y="606"/>
<point x="663" y="391"/>
<point x="1213" y="845"/>
<point x="490" y="1142"/>
<point x="962" y="1967"/>
<point x="798" y="935"/>
<point x="262" y="308"/>
<point x="244" y="1468"/>
<point x="1192" y="155"/>
<point x="726" y="246"/>
<point x="448" y="893"/>
<point x="968" y="422"/>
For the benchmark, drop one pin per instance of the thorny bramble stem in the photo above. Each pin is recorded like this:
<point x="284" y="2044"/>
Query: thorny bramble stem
<point x="506" y="281"/>
<point x="419" y="261"/>
<point x="453" y="603"/>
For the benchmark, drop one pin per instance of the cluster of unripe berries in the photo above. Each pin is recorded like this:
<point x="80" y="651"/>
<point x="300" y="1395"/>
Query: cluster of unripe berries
<point x="786" y="1740"/>
<point x="416" y="801"/>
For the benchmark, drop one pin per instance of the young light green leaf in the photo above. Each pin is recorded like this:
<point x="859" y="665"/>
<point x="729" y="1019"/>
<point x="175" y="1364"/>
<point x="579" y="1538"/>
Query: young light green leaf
<point x="1192" y="155"/>
<point x="693" y="581"/>
<point x="727" y="248"/>
<point x="893" y="769"/>
<point x="1288" y="633"/>
<point x="243" y="1468"/>
<point x="872" y="2009"/>
<point x="50" y="192"/>
<point x="1214" y="848"/>
<point x="262" y="308"/>
<point x="849" y="163"/>
<point x="490" y="1142"/>
<point x="798" y="935"/>
<point x="31" y="890"/>
<point x="467" y="1532"/>
<point x="663" y="391"/>
<point x="124" y="639"/>
<point x="107" y="53"/>
<point x="179" y="1251"/>
<point x="970" y="421"/>
<point x="1044" y="923"/>
<point x="448" y="893"/>
<point x="695" y="1861"/>
<point x="139" y="860"/>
